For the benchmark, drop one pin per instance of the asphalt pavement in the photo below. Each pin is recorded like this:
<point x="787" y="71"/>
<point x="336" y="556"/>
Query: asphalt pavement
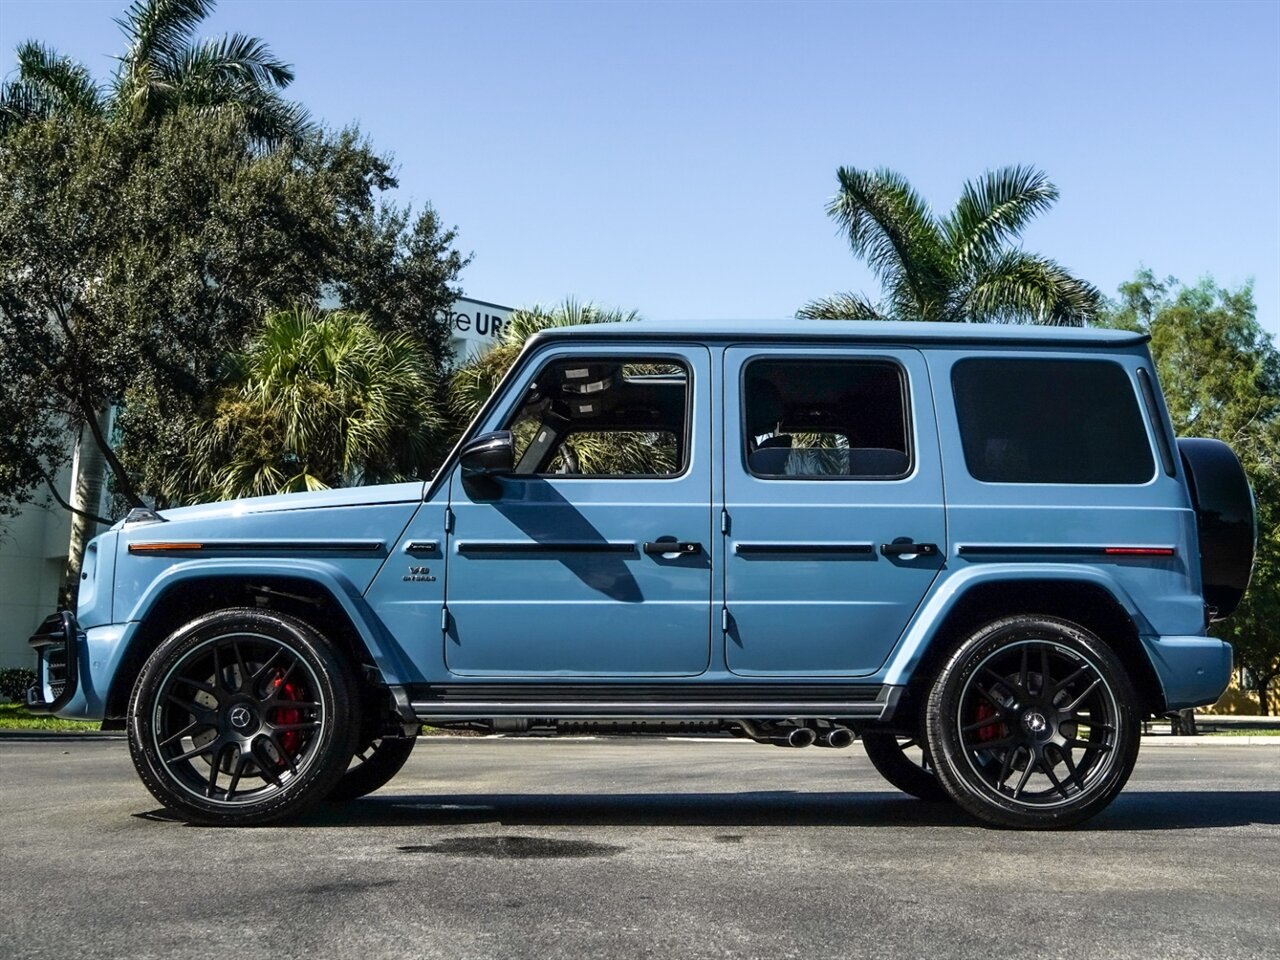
<point x="638" y="848"/>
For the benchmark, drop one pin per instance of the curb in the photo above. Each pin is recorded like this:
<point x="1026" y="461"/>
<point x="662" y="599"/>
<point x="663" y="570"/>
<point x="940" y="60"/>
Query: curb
<point x="42" y="736"/>
<point x="1207" y="739"/>
<point x="1150" y="740"/>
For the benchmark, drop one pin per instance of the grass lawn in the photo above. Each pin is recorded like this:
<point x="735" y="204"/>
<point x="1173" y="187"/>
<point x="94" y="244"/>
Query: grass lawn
<point x="14" y="716"/>
<point x="1244" y="733"/>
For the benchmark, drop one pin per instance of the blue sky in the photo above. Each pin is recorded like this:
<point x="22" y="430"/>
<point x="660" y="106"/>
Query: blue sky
<point x="676" y="157"/>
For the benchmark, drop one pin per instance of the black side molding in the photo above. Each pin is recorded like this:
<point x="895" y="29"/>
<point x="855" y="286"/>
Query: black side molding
<point x="791" y="549"/>
<point x="473" y="547"/>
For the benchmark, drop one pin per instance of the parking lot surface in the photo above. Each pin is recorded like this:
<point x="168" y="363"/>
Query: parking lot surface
<point x="638" y="848"/>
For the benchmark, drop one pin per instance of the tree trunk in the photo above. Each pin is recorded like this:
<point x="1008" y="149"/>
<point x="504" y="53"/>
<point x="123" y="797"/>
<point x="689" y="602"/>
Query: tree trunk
<point x="88" y="477"/>
<point x="1262" y="687"/>
<point x="1187" y="723"/>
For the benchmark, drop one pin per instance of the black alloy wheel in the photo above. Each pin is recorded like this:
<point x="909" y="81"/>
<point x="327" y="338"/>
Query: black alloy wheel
<point x="1032" y="724"/>
<point x="373" y="766"/>
<point x="905" y="762"/>
<point x="242" y="717"/>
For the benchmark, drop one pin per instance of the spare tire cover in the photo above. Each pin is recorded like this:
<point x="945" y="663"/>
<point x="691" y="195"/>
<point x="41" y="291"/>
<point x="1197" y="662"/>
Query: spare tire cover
<point x="1225" y="513"/>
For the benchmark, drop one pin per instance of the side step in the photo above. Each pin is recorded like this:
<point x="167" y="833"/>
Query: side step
<point x="676" y="701"/>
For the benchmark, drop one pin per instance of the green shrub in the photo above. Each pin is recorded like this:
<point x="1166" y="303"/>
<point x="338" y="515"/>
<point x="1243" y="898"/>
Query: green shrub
<point x="14" y="682"/>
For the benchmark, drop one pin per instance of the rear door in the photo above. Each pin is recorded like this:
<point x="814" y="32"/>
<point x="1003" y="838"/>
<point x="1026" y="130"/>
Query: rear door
<point x="835" y="526"/>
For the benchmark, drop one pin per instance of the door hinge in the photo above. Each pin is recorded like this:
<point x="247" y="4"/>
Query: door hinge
<point x="444" y="619"/>
<point x="724" y="520"/>
<point x="448" y="519"/>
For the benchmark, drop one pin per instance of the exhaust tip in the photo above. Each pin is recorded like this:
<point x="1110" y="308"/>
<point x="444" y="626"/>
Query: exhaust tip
<point x="840" y="738"/>
<point x="801" y="737"/>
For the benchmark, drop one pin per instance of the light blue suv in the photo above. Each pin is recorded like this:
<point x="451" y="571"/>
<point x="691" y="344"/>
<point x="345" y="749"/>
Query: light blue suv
<point x="979" y="549"/>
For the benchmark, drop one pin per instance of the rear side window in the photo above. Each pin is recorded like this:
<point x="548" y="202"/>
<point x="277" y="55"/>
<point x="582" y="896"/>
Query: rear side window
<point x="826" y="420"/>
<point x="1050" y="421"/>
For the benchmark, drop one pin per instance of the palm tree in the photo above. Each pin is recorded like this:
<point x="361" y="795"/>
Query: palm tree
<point x="318" y="400"/>
<point x="163" y="69"/>
<point x="961" y="267"/>
<point x="473" y="381"/>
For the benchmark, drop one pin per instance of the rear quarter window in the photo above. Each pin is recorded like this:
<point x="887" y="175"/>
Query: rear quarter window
<point x="1050" y="421"/>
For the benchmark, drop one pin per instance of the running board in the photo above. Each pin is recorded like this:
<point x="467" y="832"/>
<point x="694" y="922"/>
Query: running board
<point x="686" y="701"/>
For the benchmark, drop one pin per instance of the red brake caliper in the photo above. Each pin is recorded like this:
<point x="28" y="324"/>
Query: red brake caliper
<point x="290" y="739"/>
<point x="992" y="730"/>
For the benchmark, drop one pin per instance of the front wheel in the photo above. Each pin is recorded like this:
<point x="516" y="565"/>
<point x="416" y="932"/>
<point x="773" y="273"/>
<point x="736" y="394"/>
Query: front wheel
<point x="1032" y="724"/>
<point x="373" y="766"/>
<point x="242" y="717"/>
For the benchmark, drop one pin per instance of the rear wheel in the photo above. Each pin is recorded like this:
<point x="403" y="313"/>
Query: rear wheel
<point x="1031" y="724"/>
<point x="904" y="762"/>
<point x="242" y="717"/>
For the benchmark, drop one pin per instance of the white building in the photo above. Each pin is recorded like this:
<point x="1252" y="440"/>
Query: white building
<point x="33" y="561"/>
<point x="475" y="326"/>
<point x="33" y="545"/>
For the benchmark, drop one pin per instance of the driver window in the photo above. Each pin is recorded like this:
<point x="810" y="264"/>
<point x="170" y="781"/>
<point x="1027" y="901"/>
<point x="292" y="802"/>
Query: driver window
<point x="604" y="417"/>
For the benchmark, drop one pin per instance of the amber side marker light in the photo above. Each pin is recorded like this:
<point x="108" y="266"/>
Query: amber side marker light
<point x="1138" y="551"/>
<point x="163" y="547"/>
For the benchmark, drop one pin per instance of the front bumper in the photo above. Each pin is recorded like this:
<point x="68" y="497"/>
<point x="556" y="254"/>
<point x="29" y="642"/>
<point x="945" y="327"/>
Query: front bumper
<point x="56" y="642"/>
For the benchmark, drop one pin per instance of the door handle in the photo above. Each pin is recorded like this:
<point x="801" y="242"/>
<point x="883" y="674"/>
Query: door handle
<point x="687" y="548"/>
<point x="902" y="547"/>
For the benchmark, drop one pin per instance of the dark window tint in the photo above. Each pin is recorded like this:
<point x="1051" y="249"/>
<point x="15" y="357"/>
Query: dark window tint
<point x="825" y="419"/>
<point x="1050" y="421"/>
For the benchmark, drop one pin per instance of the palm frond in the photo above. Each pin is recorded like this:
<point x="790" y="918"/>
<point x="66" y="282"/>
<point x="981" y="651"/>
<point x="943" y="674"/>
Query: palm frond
<point x="473" y="381"/>
<point x="20" y="103"/>
<point x="993" y="210"/>
<point x="892" y="228"/>
<point x="233" y="59"/>
<point x="62" y="83"/>
<point x="840" y="306"/>
<point x="271" y="120"/>
<point x="1019" y="287"/>
<point x="570" y="312"/>
<point x="159" y="30"/>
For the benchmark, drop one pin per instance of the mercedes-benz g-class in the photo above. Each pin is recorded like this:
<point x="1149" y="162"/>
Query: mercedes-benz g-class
<point x="979" y="549"/>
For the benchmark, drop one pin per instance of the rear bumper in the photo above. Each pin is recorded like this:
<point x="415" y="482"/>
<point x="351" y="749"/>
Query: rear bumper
<point x="1194" y="671"/>
<point x="57" y="644"/>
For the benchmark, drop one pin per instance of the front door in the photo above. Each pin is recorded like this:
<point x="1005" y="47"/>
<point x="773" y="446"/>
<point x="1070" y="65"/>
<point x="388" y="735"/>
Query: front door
<point x="593" y="559"/>
<point x="833" y="495"/>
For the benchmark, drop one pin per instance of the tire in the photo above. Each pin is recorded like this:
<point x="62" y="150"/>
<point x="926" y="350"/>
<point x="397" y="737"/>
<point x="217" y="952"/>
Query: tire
<point x="1017" y="751"/>
<point x="887" y="752"/>
<point x="372" y="767"/>
<point x="243" y="717"/>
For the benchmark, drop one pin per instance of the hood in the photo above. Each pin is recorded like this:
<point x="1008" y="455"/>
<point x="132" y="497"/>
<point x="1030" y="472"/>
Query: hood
<point x="340" y="497"/>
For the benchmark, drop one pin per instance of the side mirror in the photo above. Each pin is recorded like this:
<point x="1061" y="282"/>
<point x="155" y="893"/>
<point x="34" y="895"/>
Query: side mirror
<point x="489" y="455"/>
